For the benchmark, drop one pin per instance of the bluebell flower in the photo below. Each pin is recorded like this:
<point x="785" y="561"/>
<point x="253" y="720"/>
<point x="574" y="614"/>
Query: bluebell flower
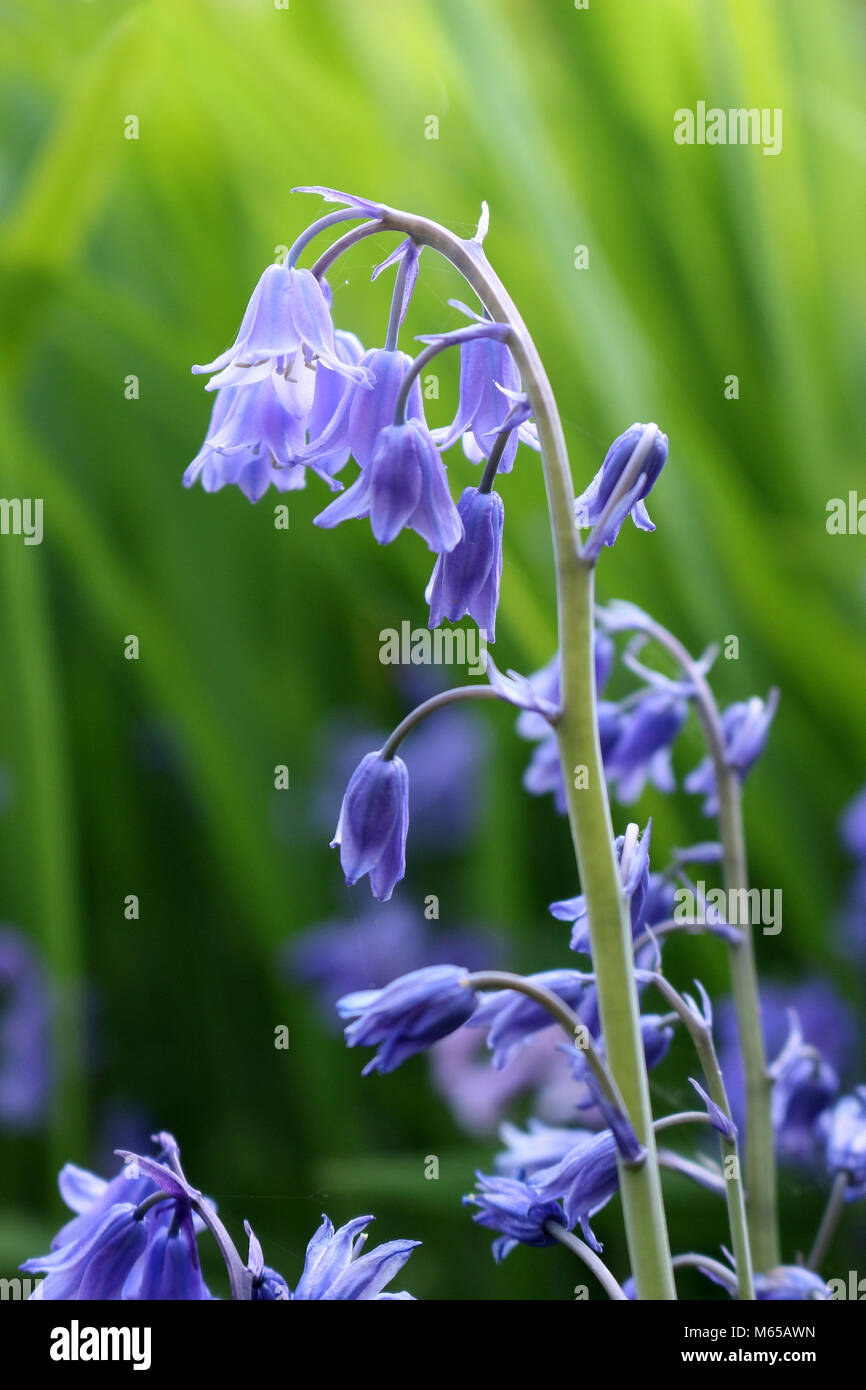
<point x="409" y="1014"/>
<point x="361" y="413"/>
<point x="513" y="1208"/>
<point x="489" y="380"/>
<point x="539" y="1146"/>
<point x="374" y="821"/>
<point x="804" y="1087"/>
<point x="267" y="1285"/>
<point x="792" y="1283"/>
<point x="636" y="877"/>
<point x="466" y="579"/>
<point x="827" y="1027"/>
<point x="746" y="727"/>
<point x="404" y="484"/>
<point x="286" y="322"/>
<point x="25" y="1033"/>
<point x="513" y="1018"/>
<point x="98" y="1263"/>
<point x="251" y="443"/>
<point x="642" y="750"/>
<point x="592" y="505"/>
<point x="169" y="1269"/>
<point x="445" y="758"/>
<point x="584" y="1180"/>
<point x="845" y="1130"/>
<point x="335" y="1269"/>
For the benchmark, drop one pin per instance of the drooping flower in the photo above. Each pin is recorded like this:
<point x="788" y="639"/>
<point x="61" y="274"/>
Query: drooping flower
<point x="251" y="443"/>
<point x="512" y="1018"/>
<point x="828" y="1029"/>
<point x="845" y="1131"/>
<point x="489" y="380"/>
<point x="409" y="1014"/>
<point x="633" y="855"/>
<point x="404" y="484"/>
<point x="335" y="1269"/>
<point x="25" y="1026"/>
<point x="361" y="414"/>
<point x="540" y="1146"/>
<point x="746" y="727"/>
<point x="642" y="750"/>
<point x="97" y="1264"/>
<point x="118" y="1246"/>
<point x="287" y="320"/>
<point x="515" y="1210"/>
<point x="373" y="824"/>
<point x="792" y="1283"/>
<point x="610" y="483"/>
<point x="804" y="1087"/>
<point x="584" y="1180"/>
<point x="466" y="579"/>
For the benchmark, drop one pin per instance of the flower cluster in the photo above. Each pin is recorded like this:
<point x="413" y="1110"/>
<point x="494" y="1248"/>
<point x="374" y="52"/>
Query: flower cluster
<point x="134" y="1237"/>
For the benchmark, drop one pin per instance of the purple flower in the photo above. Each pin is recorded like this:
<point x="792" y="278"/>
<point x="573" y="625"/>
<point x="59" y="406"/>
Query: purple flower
<point x="489" y="381"/>
<point x="98" y="1263"/>
<point x="585" y="1180"/>
<point x="361" y="414"/>
<point x="466" y="579"/>
<point x="409" y="1014"/>
<point x="513" y="1018"/>
<point x="746" y="727"/>
<point x="642" y="750"/>
<point x="169" y="1269"/>
<point x="287" y="322"/>
<point x="25" y="1025"/>
<point x="403" y="485"/>
<point x="541" y="1146"/>
<point x="374" y="820"/>
<point x="824" y="1020"/>
<point x="612" y="483"/>
<point x="479" y="1096"/>
<point x="516" y="1210"/>
<point x="804" y="1086"/>
<point x="336" y="1270"/>
<point x="113" y="1249"/>
<point x="251" y="442"/>
<point x="845" y="1130"/>
<point x="791" y="1283"/>
<point x="633" y="854"/>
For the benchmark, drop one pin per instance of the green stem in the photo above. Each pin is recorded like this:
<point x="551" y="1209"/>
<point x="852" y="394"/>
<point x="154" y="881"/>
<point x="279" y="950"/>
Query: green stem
<point x="577" y="734"/>
<point x="702" y="1035"/>
<point x="760" y="1155"/>
<point x="590" y="1259"/>
<point x="829" y="1221"/>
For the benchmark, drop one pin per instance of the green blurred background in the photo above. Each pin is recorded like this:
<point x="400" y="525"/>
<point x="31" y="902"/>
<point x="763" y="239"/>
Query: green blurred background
<point x="155" y="777"/>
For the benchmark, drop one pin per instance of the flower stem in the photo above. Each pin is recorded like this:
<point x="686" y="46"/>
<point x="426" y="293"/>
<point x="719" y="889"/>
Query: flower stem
<point x="760" y="1157"/>
<point x="829" y="1222"/>
<point x="577" y="734"/>
<point x="589" y="1257"/>
<point x="420" y="712"/>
